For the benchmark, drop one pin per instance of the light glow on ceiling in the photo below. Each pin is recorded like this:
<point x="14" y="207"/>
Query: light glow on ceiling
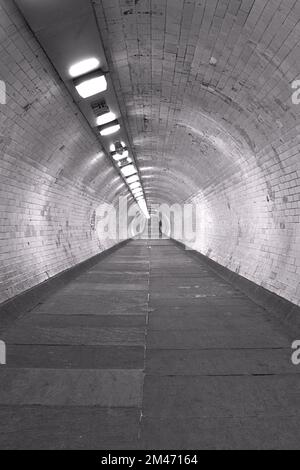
<point x="135" y="185"/>
<point x="133" y="179"/>
<point x="143" y="206"/>
<point x="137" y="191"/>
<point x="129" y="170"/>
<point x="97" y="157"/>
<point x="91" y="84"/>
<point x="83" y="67"/>
<point x="117" y="157"/>
<point x="110" y="130"/>
<point x="106" y="118"/>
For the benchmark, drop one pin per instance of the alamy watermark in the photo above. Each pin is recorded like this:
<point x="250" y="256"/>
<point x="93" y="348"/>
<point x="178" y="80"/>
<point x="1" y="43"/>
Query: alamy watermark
<point x="2" y="92"/>
<point x="121" y="221"/>
<point x="296" y="353"/>
<point x="296" y="94"/>
<point x="2" y="353"/>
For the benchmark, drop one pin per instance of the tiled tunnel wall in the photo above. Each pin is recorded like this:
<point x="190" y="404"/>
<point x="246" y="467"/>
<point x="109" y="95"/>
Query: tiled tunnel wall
<point x="52" y="173"/>
<point x="250" y="224"/>
<point x="205" y="86"/>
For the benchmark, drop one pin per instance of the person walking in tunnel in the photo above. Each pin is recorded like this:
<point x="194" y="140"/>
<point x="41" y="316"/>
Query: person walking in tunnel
<point x="160" y="225"/>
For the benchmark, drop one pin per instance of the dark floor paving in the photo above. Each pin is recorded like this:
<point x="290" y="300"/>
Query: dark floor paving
<point x="149" y="349"/>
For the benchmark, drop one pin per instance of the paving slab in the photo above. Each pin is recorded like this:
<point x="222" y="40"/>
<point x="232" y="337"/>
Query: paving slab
<point x="85" y="321"/>
<point x="251" y="433"/>
<point x="149" y="349"/>
<point x="74" y="357"/>
<point x="87" y="305"/>
<point x="204" y="321"/>
<point x="222" y="362"/>
<point x="68" y="428"/>
<point x="65" y="387"/>
<point x="199" y="339"/>
<point x="76" y="336"/>
<point x="221" y="396"/>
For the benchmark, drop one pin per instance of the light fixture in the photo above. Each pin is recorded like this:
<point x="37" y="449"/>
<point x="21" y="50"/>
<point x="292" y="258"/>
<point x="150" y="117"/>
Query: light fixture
<point x="117" y="157"/>
<point x="143" y="206"/>
<point x="129" y="170"/>
<point x="84" y="67"/>
<point x="124" y="162"/>
<point x="106" y="118"/>
<point x="135" y="185"/>
<point x="110" y="128"/>
<point x="136" y="189"/>
<point x="133" y="179"/>
<point x="90" y="84"/>
<point x="112" y="148"/>
<point x="121" y="156"/>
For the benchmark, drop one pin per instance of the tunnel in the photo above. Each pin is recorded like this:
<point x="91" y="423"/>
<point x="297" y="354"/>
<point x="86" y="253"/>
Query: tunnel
<point x="149" y="224"/>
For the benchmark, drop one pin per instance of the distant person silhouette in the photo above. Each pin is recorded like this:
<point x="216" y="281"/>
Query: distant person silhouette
<point x="160" y="229"/>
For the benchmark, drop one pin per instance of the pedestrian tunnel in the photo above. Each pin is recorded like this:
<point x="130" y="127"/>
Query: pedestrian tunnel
<point x="149" y="223"/>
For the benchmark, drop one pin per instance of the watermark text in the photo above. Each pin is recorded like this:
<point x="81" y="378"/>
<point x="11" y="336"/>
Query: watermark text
<point x="2" y="353"/>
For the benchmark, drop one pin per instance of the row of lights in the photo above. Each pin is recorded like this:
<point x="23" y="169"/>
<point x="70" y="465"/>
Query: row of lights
<point x="89" y="81"/>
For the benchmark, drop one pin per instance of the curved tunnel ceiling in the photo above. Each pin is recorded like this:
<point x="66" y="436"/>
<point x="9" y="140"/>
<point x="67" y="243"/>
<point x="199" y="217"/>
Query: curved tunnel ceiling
<point x="205" y="85"/>
<point x="204" y="91"/>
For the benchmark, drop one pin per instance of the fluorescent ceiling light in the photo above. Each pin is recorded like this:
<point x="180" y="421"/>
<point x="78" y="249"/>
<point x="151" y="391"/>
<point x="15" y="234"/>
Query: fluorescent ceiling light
<point x="117" y="157"/>
<point x="111" y="128"/>
<point x="90" y="84"/>
<point x="125" y="162"/>
<point x="112" y="148"/>
<point x="137" y="189"/>
<point x="121" y="156"/>
<point x="83" y="67"/>
<point x="143" y="206"/>
<point x="129" y="170"/>
<point x="106" y="118"/>
<point x="133" y="179"/>
<point x="135" y="185"/>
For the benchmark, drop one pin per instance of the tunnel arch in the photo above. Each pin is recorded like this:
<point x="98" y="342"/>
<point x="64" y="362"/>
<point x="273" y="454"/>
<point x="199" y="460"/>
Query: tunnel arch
<point x="205" y="87"/>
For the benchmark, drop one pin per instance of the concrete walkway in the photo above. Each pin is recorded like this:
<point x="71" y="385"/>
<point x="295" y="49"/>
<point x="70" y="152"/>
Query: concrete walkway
<point x="149" y="349"/>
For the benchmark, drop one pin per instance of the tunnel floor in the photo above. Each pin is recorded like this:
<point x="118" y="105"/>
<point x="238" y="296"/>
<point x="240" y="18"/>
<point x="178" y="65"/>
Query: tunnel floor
<point x="149" y="349"/>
